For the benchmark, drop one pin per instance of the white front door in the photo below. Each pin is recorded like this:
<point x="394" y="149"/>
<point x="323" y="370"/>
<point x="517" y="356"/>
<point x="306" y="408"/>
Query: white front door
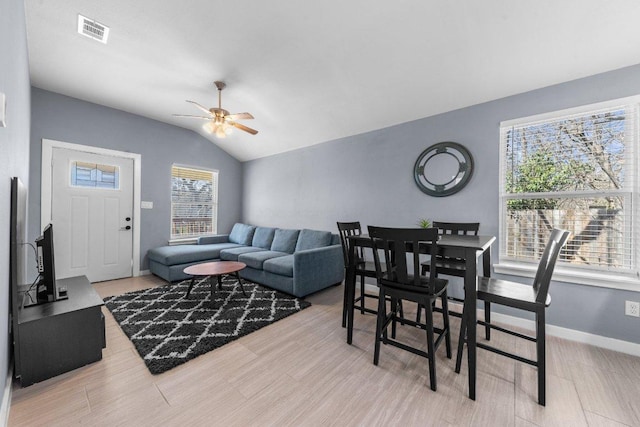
<point x="92" y="214"/>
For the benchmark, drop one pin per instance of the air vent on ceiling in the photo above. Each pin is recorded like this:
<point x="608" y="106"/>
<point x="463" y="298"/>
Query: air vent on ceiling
<point x="93" y="29"/>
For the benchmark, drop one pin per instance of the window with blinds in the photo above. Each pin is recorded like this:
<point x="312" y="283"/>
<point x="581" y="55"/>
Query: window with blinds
<point x="194" y="202"/>
<point x="577" y="171"/>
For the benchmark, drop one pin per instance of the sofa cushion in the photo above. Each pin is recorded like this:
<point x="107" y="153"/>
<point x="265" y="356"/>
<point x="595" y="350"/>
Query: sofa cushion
<point x="181" y="254"/>
<point x="285" y="240"/>
<point x="218" y="238"/>
<point x="242" y="234"/>
<point x="256" y="259"/>
<point x="281" y="265"/>
<point x="312" y="239"/>
<point x="233" y="253"/>
<point x="263" y="237"/>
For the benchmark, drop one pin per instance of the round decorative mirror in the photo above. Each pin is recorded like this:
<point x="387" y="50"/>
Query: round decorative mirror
<point x="443" y="169"/>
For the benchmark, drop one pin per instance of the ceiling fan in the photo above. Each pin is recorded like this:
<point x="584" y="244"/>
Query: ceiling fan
<point x="220" y="121"/>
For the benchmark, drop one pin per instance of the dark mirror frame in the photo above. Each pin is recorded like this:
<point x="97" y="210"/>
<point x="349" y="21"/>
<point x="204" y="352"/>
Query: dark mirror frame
<point x="457" y="182"/>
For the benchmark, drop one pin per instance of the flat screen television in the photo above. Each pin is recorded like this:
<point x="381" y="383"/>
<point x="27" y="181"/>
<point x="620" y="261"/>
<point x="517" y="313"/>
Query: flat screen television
<point x="17" y="257"/>
<point x="17" y="238"/>
<point x="47" y="291"/>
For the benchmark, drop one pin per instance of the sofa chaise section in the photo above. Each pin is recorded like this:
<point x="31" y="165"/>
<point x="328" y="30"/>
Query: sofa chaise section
<point x="298" y="262"/>
<point x="169" y="262"/>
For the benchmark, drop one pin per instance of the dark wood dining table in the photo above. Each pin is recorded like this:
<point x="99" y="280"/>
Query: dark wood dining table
<point x="467" y="247"/>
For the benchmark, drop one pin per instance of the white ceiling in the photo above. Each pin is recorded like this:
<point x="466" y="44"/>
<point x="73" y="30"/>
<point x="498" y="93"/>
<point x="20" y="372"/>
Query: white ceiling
<point x="313" y="71"/>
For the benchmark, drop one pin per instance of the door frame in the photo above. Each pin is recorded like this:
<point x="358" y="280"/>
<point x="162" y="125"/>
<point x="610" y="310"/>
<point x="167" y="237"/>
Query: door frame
<point x="46" y="189"/>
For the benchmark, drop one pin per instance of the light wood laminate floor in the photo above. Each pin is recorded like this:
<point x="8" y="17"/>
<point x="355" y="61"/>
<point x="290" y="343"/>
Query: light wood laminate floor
<point x="300" y="371"/>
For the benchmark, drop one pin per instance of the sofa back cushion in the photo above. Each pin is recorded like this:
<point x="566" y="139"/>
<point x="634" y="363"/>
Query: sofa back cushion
<point x="312" y="239"/>
<point x="285" y="240"/>
<point x="263" y="237"/>
<point x="242" y="234"/>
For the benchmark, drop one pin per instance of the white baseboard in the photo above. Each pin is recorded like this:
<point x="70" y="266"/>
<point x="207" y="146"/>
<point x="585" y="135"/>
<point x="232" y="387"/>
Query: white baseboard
<point x="557" y="331"/>
<point x="571" y="334"/>
<point x="144" y="272"/>
<point x="6" y="398"/>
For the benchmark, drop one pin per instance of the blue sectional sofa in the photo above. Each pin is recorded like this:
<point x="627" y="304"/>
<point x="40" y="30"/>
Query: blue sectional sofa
<point x="298" y="262"/>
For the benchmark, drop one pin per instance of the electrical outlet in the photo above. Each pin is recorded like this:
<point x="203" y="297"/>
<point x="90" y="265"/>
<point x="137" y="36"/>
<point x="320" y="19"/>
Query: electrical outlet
<point x="632" y="308"/>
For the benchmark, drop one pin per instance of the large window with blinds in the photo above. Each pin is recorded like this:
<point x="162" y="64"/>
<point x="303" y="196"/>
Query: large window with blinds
<point x="194" y="202"/>
<point x="576" y="170"/>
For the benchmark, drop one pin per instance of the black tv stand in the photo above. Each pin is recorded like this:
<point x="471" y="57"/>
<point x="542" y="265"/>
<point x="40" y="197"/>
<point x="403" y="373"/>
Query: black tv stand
<point x="56" y="337"/>
<point x="37" y="294"/>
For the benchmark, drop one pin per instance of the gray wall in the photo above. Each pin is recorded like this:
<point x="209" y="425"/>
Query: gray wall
<point x="369" y="178"/>
<point x="14" y="145"/>
<point x="61" y="118"/>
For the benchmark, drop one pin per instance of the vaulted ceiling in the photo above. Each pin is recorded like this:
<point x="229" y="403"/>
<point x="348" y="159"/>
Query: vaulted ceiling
<point x="313" y="71"/>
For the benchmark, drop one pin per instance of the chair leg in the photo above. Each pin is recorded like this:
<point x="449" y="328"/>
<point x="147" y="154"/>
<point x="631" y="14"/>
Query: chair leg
<point x="401" y="312"/>
<point x="419" y="313"/>
<point x="445" y="321"/>
<point x="487" y="319"/>
<point x="430" y="347"/>
<point x="541" y="350"/>
<point x="394" y="311"/>
<point x="344" y="305"/>
<point x="461" y="339"/>
<point x="382" y="308"/>
<point x="362" y="298"/>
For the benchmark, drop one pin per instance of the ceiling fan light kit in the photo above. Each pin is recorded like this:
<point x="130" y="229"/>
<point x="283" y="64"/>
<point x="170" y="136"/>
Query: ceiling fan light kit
<point x="219" y="121"/>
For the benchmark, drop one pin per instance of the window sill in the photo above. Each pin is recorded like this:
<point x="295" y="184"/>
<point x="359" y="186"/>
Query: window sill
<point x="590" y="278"/>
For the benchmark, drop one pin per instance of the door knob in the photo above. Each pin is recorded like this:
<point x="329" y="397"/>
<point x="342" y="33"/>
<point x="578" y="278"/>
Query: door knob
<point x="128" y="227"/>
<point x="127" y="219"/>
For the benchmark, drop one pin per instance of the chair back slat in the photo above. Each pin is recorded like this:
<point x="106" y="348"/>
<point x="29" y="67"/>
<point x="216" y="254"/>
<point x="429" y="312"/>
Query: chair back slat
<point x="347" y="229"/>
<point x="547" y="263"/>
<point x="459" y="228"/>
<point x="396" y="244"/>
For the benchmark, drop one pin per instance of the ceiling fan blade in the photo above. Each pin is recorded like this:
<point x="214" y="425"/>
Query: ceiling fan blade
<point x="243" y="127"/>
<point x="206" y="110"/>
<point x="239" y="116"/>
<point x="191" y="117"/>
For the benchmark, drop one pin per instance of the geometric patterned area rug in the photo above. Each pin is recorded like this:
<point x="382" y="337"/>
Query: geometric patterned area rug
<point x="169" y="330"/>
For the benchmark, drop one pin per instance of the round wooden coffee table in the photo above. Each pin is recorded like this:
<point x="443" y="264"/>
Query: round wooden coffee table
<point x="210" y="269"/>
